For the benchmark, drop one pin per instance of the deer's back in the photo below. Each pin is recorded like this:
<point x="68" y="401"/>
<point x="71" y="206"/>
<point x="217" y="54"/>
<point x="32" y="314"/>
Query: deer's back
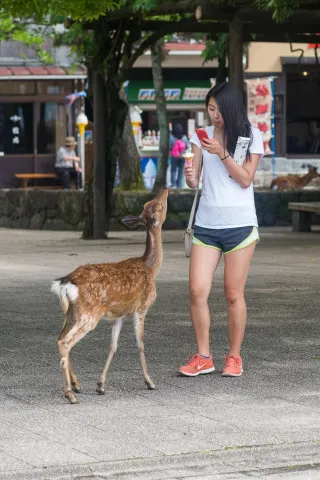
<point x="116" y="288"/>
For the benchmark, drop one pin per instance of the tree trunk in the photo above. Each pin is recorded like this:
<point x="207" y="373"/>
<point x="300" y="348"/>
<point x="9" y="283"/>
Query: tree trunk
<point x="109" y="115"/>
<point x="100" y="160"/>
<point x="88" y="199"/>
<point x="129" y="157"/>
<point x="236" y="54"/>
<point x="161" y="178"/>
<point x="221" y="70"/>
<point x="117" y="110"/>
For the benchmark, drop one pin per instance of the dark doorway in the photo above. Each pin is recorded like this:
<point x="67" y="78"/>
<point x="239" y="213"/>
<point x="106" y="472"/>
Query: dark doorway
<point x="303" y="112"/>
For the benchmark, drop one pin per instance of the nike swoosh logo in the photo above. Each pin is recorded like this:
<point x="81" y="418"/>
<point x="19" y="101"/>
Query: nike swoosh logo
<point x="200" y="366"/>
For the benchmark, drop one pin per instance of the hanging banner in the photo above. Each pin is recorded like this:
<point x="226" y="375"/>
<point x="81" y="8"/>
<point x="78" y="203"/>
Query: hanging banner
<point x="260" y="108"/>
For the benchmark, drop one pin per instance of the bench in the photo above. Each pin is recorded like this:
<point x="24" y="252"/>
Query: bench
<point x="25" y="177"/>
<point x="302" y="215"/>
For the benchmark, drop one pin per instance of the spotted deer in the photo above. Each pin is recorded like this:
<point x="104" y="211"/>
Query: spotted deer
<point x="295" y="182"/>
<point x="112" y="290"/>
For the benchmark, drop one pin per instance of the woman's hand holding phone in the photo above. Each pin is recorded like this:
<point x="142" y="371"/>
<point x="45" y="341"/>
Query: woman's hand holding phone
<point x="212" y="146"/>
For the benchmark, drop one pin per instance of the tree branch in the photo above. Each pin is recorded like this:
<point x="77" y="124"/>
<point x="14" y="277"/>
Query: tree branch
<point x="120" y="32"/>
<point x="144" y="45"/>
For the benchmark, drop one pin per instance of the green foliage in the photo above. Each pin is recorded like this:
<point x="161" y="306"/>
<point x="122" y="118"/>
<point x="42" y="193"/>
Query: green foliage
<point x="21" y="32"/>
<point x="145" y="5"/>
<point x="89" y="10"/>
<point x="215" y="49"/>
<point x="282" y="9"/>
<point x="77" y="9"/>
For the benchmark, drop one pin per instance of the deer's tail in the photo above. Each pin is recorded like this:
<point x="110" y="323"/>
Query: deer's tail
<point x="66" y="292"/>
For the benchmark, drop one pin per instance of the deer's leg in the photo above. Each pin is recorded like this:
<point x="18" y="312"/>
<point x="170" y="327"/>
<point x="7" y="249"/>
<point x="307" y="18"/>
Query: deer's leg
<point x="76" y="387"/>
<point x="66" y="340"/>
<point x="139" y="329"/>
<point x="116" y="329"/>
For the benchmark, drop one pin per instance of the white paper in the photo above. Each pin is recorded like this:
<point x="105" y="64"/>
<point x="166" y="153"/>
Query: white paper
<point x="241" y="150"/>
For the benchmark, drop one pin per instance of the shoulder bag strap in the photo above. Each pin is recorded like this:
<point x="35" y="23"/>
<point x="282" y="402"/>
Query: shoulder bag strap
<point x="193" y="209"/>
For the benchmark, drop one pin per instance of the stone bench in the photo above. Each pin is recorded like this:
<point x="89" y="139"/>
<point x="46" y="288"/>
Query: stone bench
<point x="25" y="177"/>
<point x="302" y="215"/>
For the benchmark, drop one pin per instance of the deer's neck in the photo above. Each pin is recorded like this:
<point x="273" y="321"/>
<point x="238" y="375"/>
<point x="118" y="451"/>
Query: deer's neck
<point x="153" y="252"/>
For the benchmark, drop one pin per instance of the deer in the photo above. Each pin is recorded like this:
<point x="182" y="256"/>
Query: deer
<point x="113" y="291"/>
<point x="294" y="182"/>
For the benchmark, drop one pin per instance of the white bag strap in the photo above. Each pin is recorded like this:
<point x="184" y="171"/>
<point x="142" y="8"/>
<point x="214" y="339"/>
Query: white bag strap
<point x="193" y="209"/>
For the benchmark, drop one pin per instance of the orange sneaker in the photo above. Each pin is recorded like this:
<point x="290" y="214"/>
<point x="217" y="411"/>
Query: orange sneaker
<point x="198" y="365"/>
<point x="233" y="367"/>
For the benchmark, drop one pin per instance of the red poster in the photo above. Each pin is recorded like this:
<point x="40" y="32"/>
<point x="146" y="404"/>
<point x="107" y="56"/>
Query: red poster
<point x="260" y="108"/>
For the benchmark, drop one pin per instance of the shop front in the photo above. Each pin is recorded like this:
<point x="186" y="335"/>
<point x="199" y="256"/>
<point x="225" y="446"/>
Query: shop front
<point x="185" y="103"/>
<point x="186" y="107"/>
<point x="33" y="118"/>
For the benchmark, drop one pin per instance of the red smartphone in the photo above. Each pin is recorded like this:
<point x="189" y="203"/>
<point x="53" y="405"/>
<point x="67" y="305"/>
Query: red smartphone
<point x="201" y="133"/>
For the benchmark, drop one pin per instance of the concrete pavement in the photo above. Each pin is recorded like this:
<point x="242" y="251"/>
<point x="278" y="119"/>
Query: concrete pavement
<point x="263" y="425"/>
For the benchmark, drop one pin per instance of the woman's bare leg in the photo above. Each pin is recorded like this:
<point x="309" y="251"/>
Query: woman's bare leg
<point x="236" y="271"/>
<point x="203" y="264"/>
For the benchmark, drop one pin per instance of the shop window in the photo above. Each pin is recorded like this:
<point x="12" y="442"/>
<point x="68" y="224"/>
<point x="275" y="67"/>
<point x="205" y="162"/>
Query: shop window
<point x="11" y="87"/>
<point x="54" y="87"/>
<point x="51" y="127"/>
<point x="16" y="128"/>
<point x="278" y="105"/>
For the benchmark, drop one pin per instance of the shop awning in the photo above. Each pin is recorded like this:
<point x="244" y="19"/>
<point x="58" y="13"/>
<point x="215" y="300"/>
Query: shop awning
<point x="193" y="91"/>
<point x="41" y="73"/>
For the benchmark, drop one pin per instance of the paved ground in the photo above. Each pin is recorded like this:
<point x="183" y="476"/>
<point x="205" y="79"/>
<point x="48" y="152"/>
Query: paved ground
<point x="263" y="425"/>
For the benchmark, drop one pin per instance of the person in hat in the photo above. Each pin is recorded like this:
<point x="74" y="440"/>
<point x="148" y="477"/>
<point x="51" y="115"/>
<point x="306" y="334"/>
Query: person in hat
<point x="67" y="164"/>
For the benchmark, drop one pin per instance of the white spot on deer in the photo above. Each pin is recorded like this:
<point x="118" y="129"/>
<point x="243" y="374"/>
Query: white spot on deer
<point x="68" y="289"/>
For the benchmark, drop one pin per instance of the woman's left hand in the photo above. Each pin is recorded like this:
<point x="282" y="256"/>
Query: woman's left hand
<point x="212" y="146"/>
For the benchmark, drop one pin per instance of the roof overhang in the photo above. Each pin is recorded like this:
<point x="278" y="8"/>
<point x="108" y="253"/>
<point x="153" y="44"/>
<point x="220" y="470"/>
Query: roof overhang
<point x="9" y="72"/>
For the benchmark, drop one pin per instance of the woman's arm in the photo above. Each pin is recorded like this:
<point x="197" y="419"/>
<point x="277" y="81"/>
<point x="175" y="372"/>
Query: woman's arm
<point x="193" y="173"/>
<point x="241" y="174"/>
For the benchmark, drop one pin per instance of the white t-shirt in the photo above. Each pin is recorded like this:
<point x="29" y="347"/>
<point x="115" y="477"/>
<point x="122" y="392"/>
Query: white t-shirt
<point x="224" y="203"/>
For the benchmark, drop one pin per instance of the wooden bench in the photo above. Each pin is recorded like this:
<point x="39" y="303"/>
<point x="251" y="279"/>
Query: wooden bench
<point x="302" y="215"/>
<point x="25" y="177"/>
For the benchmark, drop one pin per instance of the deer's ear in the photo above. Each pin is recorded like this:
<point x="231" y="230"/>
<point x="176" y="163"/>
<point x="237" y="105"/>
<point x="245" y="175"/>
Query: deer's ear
<point x="132" y="222"/>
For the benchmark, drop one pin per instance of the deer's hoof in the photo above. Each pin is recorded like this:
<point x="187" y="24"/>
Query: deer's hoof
<point x="72" y="399"/>
<point x="76" y="387"/>
<point x="150" y="385"/>
<point x="100" y="388"/>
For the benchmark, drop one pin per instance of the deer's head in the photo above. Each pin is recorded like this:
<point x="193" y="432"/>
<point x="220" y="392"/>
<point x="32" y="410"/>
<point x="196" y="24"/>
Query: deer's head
<point x="311" y="168"/>
<point x="153" y="215"/>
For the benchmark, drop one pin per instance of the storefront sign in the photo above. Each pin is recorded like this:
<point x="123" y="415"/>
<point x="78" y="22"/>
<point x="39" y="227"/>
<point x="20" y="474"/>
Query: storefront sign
<point x="148" y="94"/>
<point x="195" y="93"/>
<point x="260" y="108"/>
<point x="186" y="93"/>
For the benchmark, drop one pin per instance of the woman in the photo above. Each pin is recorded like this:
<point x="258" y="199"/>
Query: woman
<point x="67" y="164"/>
<point x="178" y="145"/>
<point x="226" y="222"/>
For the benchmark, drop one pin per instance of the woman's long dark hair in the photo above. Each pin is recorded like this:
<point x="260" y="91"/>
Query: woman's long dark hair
<point x="233" y="112"/>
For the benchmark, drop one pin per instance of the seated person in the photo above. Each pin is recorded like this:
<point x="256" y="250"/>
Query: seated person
<point x="67" y="164"/>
